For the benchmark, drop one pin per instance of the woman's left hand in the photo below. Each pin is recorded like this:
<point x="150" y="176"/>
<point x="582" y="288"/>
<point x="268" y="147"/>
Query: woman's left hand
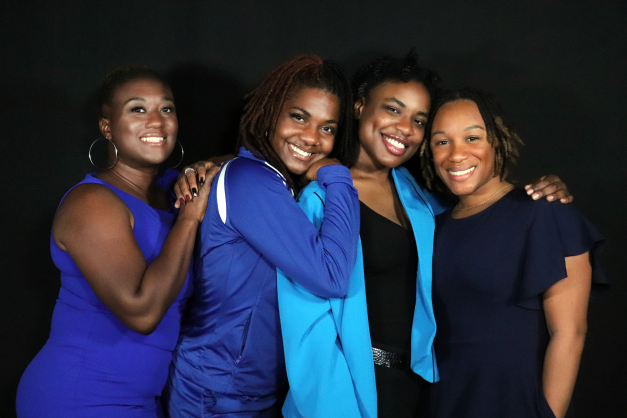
<point x="191" y="178"/>
<point x="550" y="186"/>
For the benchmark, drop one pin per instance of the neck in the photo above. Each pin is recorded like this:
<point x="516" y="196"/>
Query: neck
<point x="366" y="169"/>
<point x="137" y="182"/>
<point x="482" y="198"/>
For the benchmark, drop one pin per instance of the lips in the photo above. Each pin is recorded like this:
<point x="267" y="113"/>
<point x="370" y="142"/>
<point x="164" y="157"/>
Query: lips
<point x="153" y="139"/>
<point x="459" y="173"/>
<point x="394" y="144"/>
<point x="299" y="153"/>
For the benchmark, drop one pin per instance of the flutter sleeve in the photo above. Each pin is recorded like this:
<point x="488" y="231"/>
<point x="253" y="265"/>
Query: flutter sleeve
<point x="556" y="231"/>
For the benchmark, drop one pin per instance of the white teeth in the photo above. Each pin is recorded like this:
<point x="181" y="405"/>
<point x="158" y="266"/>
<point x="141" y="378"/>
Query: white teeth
<point x="395" y="143"/>
<point x="154" y="139"/>
<point x="461" y="173"/>
<point x="299" y="151"/>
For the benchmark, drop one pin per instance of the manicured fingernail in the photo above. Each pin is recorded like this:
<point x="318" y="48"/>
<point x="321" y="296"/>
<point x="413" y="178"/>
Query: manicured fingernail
<point x="194" y="191"/>
<point x="550" y="198"/>
<point x="182" y="200"/>
<point x="529" y="191"/>
<point x="535" y="196"/>
<point x="188" y="198"/>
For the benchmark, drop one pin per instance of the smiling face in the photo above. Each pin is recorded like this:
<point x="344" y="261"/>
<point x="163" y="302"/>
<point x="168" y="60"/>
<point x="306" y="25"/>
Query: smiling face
<point x="391" y="123"/>
<point x="462" y="155"/>
<point x="305" y="129"/>
<point x="141" y="121"/>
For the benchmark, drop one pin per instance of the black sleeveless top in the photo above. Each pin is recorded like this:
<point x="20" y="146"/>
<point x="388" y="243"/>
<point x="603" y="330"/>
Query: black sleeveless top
<point x="390" y="263"/>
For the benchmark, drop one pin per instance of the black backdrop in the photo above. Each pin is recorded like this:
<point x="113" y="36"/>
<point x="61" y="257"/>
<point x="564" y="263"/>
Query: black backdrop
<point x="559" y="68"/>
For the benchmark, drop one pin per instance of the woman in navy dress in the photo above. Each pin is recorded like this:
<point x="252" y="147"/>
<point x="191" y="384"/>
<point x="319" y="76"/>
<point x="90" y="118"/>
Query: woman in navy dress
<point x="124" y="257"/>
<point x="511" y="277"/>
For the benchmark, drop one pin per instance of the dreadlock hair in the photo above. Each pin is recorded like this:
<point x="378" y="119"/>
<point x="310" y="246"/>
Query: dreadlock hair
<point x="499" y="134"/>
<point x="122" y="75"/>
<point x="382" y="70"/>
<point x="265" y="103"/>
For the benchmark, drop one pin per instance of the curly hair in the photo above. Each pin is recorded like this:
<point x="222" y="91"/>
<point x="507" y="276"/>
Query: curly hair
<point x="499" y="134"/>
<point x="122" y="75"/>
<point x="382" y="70"/>
<point x="264" y="105"/>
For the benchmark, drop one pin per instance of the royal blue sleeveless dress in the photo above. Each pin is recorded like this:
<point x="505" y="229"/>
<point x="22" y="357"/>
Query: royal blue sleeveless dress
<point x="92" y="365"/>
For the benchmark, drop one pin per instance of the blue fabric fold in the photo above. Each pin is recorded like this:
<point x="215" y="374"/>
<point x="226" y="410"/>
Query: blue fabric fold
<point x="327" y="342"/>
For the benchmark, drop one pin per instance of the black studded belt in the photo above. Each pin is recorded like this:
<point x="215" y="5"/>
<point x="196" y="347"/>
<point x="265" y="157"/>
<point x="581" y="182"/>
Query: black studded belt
<point x="389" y="359"/>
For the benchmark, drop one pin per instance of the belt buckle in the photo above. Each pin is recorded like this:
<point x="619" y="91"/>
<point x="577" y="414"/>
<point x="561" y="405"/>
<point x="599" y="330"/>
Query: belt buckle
<point x="388" y="359"/>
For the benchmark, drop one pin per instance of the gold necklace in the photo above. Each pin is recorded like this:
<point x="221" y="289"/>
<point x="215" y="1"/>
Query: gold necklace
<point x="459" y="209"/>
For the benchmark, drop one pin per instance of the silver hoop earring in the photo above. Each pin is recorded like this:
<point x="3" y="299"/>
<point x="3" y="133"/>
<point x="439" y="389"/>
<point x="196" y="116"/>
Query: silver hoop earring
<point x="91" y="159"/>
<point x="182" y="154"/>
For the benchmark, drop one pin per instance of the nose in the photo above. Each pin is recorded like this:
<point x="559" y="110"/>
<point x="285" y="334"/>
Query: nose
<point x="155" y="119"/>
<point x="404" y="126"/>
<point x="310" y="135"/>
<point x="458" y="152"/>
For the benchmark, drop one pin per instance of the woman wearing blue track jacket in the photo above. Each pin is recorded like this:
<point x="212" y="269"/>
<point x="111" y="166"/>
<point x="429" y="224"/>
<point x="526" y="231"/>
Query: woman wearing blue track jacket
<point x="229" y="360"/>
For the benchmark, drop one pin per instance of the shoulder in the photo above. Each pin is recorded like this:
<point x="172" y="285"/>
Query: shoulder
<point x="91" y="201"/>
<point x="87" y="206"/>
<point x="245" y="171"/>
<point x="541" y="207"/>
<point x="168" y="178"/>
<point x="544" y="214"/>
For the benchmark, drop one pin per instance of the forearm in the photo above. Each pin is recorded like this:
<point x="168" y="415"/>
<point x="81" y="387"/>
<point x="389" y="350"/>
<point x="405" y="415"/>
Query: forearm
<point x="561" y="364"/>
<point x="163" y="278"/>
<point x="339" y="235"/>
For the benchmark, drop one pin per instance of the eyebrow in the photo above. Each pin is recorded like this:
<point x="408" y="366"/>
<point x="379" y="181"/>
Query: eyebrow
<point x="401" y="104"/>
<point x="468" y="128"/>
<point x="474" y="127"/>
<point x="309" y="115"/>
<point x="141" y="99"/>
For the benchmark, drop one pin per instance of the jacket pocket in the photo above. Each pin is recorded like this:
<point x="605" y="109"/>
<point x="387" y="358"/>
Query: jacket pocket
<point x="244" y="338"/>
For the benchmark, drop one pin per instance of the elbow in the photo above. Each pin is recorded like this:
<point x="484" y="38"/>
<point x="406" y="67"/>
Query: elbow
<point x="336" y="288"/>
<point x="144" y="324"/>
<point x="143" y="327"/>
<point x="571" y="335"/>
<point x="337" y="293"/>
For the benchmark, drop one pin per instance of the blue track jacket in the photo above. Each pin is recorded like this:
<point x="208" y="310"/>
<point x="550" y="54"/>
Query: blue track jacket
<point x="327" y="344"/>
<point x="230" y="341"/>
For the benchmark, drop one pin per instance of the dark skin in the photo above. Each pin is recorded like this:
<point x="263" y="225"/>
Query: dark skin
<point x="95" y="226"/>
<point x="393" y="113"/>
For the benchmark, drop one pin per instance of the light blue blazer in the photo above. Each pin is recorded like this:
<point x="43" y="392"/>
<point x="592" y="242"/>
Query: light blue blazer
<point x="327" y="344"/>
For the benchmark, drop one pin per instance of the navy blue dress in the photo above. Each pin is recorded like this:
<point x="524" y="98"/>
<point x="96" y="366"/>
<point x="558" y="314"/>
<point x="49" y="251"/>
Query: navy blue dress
<point x="489" y="273"/>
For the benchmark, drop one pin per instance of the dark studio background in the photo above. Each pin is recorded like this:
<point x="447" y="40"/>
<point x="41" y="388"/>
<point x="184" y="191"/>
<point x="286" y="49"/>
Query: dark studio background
<point x="559" y="69"/>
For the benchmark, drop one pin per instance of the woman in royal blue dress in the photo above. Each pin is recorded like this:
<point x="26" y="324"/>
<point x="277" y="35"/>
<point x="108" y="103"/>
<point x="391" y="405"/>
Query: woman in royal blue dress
<point x="511" y="277"/>
<point x="124" y="255"/>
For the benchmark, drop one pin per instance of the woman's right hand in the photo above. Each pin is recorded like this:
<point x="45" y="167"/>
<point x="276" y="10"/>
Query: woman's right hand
<point x="312" y="173"/>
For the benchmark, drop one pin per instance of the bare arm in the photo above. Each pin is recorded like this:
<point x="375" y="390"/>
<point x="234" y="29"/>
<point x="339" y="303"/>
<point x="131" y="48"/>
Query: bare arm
<point x="565" y="308"/>
<point x="550" y="186"/>
<point x="96" y="228"/>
